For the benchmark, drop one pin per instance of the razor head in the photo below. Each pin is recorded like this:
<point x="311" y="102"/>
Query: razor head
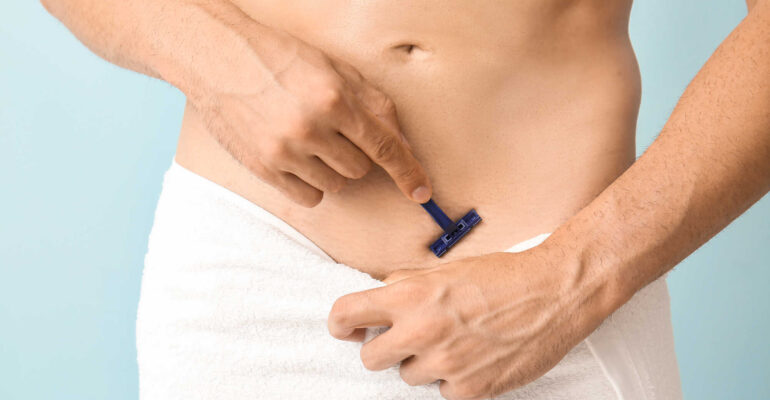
<point x="462" y="227"/>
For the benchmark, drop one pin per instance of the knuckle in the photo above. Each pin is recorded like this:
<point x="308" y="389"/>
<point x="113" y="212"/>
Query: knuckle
<point x="313" y="199"/>
<point x="329" y="99"/>
<point x="359" y="170"/>
<point x="367" y="359"/>
<point x="409" y="174"/>
<point x="336" y="184"/>
<point x="407" y="376"/>
<point x="356" y="173"/>
<point x="351" y="71"/>
<point x="356" y="75"/>
<point x="471" y="389"/>
<point x="445" y="363"/>
<point x="424" y="335"/>
<point x="445" y="390"/>
<point x="300" y="128"/>
<point x="309" y="199"/>
<point x="329" y="93"/>
<point x="432" y="332"/>
<point x="387" y="106"/>
<point x="379" y="102"/>
<point x="348" y="71"/>
<point x="331" y="79"/>
<point x="444" y="326"/>
<point x="338" y="312"/>
<point x="462" y="392"/>
<point x="255" y="166"/>
<point x="386" y="148"/>
<point x="275" y="153"/>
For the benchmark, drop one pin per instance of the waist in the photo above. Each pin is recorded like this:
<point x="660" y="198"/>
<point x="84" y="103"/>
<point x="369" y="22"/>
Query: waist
<point x="526" y="146"/>
<point x="370" y="226"/>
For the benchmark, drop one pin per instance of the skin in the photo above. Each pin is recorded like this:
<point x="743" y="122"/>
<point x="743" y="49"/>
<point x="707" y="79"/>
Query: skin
<point x="308" y="122"/>
<point x="527" y="124"/>
<point x="497" y="117"/>
<point x="498" y="120"/>
<point x="488" y="324"/>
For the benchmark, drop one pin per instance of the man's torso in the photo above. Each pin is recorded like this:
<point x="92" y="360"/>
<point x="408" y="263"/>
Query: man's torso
<point x="524" y="110"/>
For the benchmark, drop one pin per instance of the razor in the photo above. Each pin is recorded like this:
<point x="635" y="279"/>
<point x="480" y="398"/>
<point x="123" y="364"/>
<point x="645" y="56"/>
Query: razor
<point x="453" y="231"/>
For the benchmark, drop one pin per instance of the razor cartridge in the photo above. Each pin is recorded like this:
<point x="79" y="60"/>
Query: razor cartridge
<point x="453" y="231"/>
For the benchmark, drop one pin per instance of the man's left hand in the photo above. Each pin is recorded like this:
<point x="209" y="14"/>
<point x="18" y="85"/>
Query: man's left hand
<point x="482" y="325"/>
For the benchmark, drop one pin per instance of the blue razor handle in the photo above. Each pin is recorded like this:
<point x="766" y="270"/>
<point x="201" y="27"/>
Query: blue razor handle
<point x="453" y="231"/>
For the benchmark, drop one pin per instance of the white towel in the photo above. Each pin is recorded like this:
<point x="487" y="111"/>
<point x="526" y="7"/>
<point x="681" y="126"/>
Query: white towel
<point x="234" y="303"/>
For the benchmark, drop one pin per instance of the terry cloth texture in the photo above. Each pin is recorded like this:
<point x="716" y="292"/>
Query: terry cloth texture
<point x="234" y="304"/>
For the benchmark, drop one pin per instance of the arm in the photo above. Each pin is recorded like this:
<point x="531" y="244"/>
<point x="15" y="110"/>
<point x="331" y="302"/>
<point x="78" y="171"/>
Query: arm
<point x="159" y="38"/>
<point x="274" y="102"/>
<point x="517" y="315"/>
<point x="709" y="164"/>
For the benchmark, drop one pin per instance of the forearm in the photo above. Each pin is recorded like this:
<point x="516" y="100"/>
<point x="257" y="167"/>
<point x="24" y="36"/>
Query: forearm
<point x="709" y="164"/>
<point x="184" y="42"/>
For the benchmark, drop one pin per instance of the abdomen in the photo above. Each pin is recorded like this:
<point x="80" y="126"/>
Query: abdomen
<point x="523" y="110"/>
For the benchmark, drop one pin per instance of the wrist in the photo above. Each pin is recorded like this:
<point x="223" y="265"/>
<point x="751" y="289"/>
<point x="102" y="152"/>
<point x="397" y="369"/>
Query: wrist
<point x="589" y="267"/>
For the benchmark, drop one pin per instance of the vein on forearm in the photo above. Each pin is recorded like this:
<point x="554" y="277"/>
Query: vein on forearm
<point x="709" y="164"/>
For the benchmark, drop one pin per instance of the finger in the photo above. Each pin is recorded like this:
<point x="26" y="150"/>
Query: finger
<point x="287" y="184"/>
<point x="382" y="106"/>
<point x="451" y="391"/>
<point x="414" y="372"/>
<point x="381" y="139"/>
<point x="344" y="157"/>
<point x="358" y="335"/>
<point x="385" y="350"/>
<point x="371" y="97"/>
<point x="385" y="148"/>
<point x="446" y="390"/>
<point x="358" y="310"/>
<point x="298" y="190"/>
<point x="317" y="174"/>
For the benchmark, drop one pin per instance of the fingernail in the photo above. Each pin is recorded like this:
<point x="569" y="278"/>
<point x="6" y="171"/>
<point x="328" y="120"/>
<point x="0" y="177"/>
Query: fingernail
<point x="421" y="194"/>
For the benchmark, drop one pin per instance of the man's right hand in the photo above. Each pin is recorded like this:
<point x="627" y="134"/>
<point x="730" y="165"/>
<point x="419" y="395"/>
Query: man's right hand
<point x="296" y="118"/>
<point x="305" y="122"/>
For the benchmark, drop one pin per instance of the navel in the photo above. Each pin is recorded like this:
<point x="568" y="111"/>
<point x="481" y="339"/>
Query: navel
<point x="411" y="49"/>
<point x="407" y="48"/>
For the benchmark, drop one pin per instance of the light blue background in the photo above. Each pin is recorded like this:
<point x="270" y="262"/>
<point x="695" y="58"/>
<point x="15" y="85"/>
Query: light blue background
<point x="84" y="144"/>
